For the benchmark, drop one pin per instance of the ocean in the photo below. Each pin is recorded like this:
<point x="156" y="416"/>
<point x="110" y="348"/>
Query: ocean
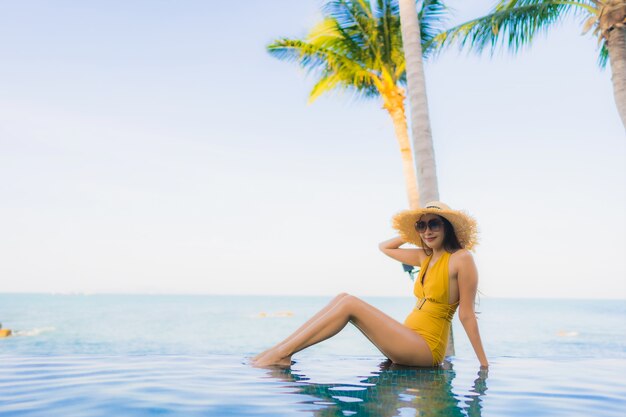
<point x="184" y="355"/>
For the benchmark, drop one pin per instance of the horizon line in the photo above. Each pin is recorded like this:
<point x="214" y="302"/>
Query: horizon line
<point x="143" y="293"/>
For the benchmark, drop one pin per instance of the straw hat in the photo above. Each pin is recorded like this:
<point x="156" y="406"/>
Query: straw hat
<point x="464" y="225"/>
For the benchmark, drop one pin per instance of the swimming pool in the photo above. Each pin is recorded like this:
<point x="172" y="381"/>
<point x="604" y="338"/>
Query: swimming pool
<point x="186" y="355"/>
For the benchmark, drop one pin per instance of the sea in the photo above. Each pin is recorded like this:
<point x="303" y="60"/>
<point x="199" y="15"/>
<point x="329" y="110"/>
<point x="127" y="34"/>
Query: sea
<point x="188" y="355"/>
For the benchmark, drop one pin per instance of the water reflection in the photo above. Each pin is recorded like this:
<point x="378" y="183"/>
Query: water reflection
<point x="392" y="391"/>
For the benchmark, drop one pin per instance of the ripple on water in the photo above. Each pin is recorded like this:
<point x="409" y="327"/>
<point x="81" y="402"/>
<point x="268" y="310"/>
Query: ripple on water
<point x="210" y="385"/>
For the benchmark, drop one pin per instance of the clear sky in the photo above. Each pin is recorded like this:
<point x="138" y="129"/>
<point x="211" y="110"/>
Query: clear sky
<point x="154" y="146"/>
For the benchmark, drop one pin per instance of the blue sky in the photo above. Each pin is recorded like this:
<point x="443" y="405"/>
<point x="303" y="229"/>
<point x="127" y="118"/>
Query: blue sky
<point x="154" y="146"/>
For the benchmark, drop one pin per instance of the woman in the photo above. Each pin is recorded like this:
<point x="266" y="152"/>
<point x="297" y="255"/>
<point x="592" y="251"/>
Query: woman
<point x="448" y="279"/>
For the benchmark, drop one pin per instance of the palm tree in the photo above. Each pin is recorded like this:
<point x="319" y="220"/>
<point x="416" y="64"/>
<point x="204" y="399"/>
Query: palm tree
<point x="357" y="47"/>
<point x="516" y="22"/>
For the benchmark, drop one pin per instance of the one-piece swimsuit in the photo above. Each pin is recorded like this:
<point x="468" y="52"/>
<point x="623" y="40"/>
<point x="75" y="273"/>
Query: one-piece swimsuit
<point x="432" y="314"/>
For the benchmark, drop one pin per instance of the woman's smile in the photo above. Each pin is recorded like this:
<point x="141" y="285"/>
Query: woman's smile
<point x="433" y="241"/>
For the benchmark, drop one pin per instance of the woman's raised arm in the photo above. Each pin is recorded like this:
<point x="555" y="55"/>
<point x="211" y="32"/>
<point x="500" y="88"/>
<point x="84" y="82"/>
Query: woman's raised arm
<point x="407" y="256"/>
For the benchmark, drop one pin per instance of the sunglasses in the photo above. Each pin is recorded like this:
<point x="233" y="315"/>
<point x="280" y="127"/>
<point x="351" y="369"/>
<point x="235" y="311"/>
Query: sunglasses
<point x="435" y="225"/>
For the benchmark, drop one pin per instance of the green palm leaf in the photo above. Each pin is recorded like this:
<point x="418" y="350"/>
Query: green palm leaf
<point x="513" y="23"/>
<point x="312" y="56"/>
<point x="356" y="43"/>
<point x="603" y="57"/>
<point x="433" y="17"/>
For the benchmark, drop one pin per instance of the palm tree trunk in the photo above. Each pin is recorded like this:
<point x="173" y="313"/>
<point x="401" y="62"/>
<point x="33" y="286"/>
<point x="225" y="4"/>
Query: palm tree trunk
<point x="393" y="102"/>
<point x="420" y="122"/>
<point x="616" y="43"/>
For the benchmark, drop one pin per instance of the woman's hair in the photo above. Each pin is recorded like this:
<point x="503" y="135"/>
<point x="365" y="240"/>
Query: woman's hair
<point x="450" y="241"/>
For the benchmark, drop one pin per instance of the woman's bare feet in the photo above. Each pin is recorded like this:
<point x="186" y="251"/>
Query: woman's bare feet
<point x="272" y="357"/>
<point x="256" y="357"/>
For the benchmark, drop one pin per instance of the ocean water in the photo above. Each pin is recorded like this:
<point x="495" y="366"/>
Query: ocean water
<point x="144" y="355"/>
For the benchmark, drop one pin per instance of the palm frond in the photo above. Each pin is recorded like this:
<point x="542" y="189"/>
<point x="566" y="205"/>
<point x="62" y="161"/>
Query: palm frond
<point x="433" y="17"/>
<point x="514" y="23"/>
<point x="603" y="56"/>
<point x="356" y="18"/>
<point x="323" y="85"/>
<point x="323" y="32"/>
<point x="329" y="35"/>
<point x="389" y="35"/>
<point x="333" y="69"/>
<point x="400" y="73"/>
<point x="386" y="7"/>
<point x="359" y="84"/>
<point x="385" y="28"/>
<point x="355" y="44"/>
<point x="311" y="56"/>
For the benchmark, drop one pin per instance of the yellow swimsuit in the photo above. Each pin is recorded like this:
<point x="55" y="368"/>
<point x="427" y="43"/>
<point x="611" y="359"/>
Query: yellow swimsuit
<point x="432" y="314"/>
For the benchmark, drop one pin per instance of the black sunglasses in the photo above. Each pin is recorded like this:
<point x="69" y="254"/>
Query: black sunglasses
<point x="434" y="225"/>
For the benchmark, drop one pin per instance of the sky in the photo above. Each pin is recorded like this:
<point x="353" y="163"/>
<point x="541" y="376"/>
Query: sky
<point x="155" y="147"/>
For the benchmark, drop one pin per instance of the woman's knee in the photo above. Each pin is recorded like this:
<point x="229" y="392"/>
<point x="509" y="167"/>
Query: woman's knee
<point x="335" y="301"/>
<point x="339" y="297"/>
<point x="349" y="303"/>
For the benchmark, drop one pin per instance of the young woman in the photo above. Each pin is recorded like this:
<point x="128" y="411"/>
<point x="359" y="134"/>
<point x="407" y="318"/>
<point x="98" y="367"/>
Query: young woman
<point x="447" y="279"/>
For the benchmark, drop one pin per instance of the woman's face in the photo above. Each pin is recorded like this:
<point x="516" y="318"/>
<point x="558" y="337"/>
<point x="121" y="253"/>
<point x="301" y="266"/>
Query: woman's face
<point x="431" y="230"/>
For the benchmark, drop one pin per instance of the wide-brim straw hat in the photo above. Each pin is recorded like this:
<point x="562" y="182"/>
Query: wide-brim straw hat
<point x="464" y="225"/>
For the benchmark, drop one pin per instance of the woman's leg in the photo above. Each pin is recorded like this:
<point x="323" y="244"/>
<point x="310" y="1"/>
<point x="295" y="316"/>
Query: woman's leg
<point x="313" y="319"/>
<point x="393" y="339"/>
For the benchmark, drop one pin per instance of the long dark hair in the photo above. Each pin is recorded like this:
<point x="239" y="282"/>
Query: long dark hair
<point x="450" y="241"/>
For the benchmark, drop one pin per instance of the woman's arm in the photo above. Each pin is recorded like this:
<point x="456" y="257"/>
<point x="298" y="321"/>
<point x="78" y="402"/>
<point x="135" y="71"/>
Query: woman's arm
<point x="467" y="277"/>
<point x="392" y="249"/>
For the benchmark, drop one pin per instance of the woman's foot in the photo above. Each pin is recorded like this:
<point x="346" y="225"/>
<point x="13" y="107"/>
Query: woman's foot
<point x="272" y="357"/>
<point x="256" y="357"/>
<point x="265" y="352"/>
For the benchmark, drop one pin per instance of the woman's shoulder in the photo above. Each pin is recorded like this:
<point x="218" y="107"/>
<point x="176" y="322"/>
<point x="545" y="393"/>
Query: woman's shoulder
<point x="461" y="254"/>
<point x="461" y="257"/>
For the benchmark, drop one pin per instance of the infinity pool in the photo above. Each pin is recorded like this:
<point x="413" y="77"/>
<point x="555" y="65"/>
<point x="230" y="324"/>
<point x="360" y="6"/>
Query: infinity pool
<point x="187" y="356"/>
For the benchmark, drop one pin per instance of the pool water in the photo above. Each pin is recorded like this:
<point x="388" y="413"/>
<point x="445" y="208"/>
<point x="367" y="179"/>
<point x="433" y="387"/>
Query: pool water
<point x="187" y="356"/>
